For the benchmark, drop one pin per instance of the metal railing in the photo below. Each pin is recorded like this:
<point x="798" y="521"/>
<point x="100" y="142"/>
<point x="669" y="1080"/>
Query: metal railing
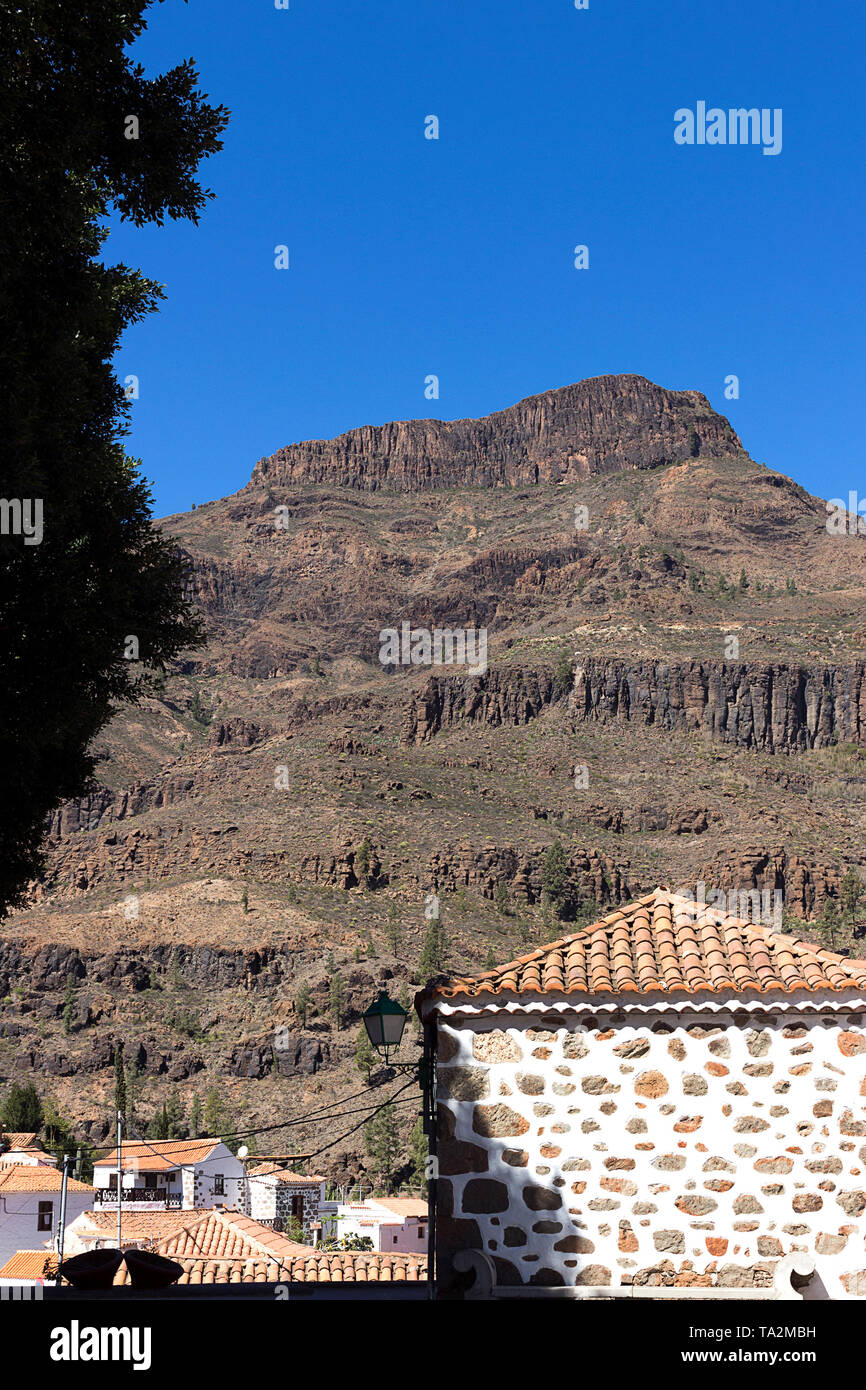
<point x="107" y="1197"/>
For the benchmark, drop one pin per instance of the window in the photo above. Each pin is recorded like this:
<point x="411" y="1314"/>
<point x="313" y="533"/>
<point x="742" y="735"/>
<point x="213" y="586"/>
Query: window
<point x="150" y="1180"/>
<point x="394" y="1238"/>
<point x="219" y="1185"/>
<point x="45" y="1219"/>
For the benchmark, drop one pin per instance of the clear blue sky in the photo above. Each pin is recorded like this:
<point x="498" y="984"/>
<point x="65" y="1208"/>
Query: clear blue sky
<point x="455" y="257"/>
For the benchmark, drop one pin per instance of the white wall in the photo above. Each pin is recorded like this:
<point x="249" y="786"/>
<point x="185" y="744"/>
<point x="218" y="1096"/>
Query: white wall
<point x="681" y="1150"/>
<point x="19" y="1219"/>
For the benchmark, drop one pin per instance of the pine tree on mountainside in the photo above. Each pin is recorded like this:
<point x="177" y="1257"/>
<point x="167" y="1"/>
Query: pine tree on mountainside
<point x="365" y="1055"/>
<point x="434" y="951"/>
<point x="69" y="1005"/>
<point x="21" y="1111"/>
<point x="554" y="874"/>
<point x="382" y="1140"/>
<point x="195" y="1118"/>
<point x="120" y="1096"/>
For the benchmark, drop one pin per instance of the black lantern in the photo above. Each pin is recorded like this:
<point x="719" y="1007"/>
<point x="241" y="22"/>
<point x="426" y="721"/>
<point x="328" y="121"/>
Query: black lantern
<point x="384" y="1022"/>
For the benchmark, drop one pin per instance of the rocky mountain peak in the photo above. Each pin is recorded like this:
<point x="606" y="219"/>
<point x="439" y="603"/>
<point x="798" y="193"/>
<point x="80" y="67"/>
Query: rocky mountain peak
<point x="602" y="425"/>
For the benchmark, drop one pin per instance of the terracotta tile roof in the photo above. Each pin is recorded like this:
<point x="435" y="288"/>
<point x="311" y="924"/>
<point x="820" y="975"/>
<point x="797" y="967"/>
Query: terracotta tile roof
<point x="30" y="1264"/>
<point x="9" y="1157"/>
<point x="20" y="1139"/>
<point x="158" y="1155"/>
<point x="33" y="1177"/>
<point x="322" y="1267"/>
<point x="263" y="1170"/>
<point x="227" y="1235"/>
<point x="136" y="1226"/>
<point x="670" y="944"/>
<point x="402" y="1206"/>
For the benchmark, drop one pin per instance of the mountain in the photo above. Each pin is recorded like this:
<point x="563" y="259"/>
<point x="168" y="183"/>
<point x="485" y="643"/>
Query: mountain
<point x="675" y="691"/>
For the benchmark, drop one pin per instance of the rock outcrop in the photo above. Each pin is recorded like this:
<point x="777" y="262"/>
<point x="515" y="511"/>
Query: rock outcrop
<point x="499" y="698"/>
<point x="602" y="425"/>
<point x="776" y="708"/>
<point x="780" y="709"/>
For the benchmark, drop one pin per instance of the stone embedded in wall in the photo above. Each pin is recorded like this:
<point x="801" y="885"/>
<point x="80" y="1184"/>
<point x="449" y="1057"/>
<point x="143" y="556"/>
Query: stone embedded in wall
<point x="696" y="1206"/>
<point x="515" y="1158"/>
<point x="759" y="1043"/>
<point x="541" y="1198"/>
<point x="463" y="1083"/>
<point x="498" y="1121"/>
<point x="575" y="1245"/>
<point x="459" y="1156"/>
<point x="496" y="1046"/>
<point x="485" y="1195"/>
<point x="550" y="1278"/>
<point x="447" y="1044"/>
<point x="826" y="1244"/>
<point x="670" y="1242"/>
<point x="651" y="1084"/>
<point x="594" y="1274"/>
<point x="597" y="1085"/>
<point x="807" y="1201"/>
<point x="514" y="1236"/>
<point x="781" y="1164"/>
<point x="530" y="1083"/>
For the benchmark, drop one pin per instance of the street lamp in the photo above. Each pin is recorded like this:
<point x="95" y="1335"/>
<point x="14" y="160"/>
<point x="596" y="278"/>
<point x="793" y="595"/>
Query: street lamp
<point x="384" y="1022"/>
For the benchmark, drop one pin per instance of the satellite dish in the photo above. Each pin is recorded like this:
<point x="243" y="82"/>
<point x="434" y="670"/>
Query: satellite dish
<point x="243" y="1151"/>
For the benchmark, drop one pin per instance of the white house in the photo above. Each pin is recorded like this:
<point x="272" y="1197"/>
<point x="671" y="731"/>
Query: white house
<point x="30" y="1206"/>
<point x="277" y="1196"/>
<point x="179" y="1173"/>
<point x="671" y="1099"/>
<point x="392" y="1223"/>
<point x="23" y="1148"/>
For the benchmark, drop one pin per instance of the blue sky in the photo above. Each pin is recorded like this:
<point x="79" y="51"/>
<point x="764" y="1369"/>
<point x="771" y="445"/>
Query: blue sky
<point x="411" y="257"/>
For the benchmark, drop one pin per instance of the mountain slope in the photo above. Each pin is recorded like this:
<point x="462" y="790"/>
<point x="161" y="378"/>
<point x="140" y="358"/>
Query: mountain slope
<point x="714" y="731"/>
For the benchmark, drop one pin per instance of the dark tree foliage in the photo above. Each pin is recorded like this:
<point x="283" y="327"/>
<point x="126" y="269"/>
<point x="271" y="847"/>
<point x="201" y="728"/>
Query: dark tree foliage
<point x="21" y="1110"/>
<point x="101" y="573"/>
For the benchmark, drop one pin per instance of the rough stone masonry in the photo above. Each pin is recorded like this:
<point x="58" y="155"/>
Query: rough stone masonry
<point x="679" y="1146"/>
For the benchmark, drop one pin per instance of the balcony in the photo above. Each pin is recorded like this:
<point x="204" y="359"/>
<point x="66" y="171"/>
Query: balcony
<point x="140" y="1196"/>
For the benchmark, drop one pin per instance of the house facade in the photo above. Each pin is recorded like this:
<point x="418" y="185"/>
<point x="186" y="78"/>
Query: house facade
<point x="392" y="1223"/>
<point x="671" y="1099"/>
<point x="30" y="1206"/>
<point x="23" y="1148"/>
<point x="170" y="1173"/>
<point x="278" y="1197"/>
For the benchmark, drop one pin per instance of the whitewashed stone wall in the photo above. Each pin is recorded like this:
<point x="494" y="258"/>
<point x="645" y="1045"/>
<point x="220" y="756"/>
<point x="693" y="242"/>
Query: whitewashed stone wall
<point x="691" y="1150"/>
<point x="271" y="1201"/>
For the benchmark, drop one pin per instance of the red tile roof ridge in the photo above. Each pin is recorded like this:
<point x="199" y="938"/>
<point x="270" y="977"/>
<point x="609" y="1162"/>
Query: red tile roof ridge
<point x="682" y="946"/>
